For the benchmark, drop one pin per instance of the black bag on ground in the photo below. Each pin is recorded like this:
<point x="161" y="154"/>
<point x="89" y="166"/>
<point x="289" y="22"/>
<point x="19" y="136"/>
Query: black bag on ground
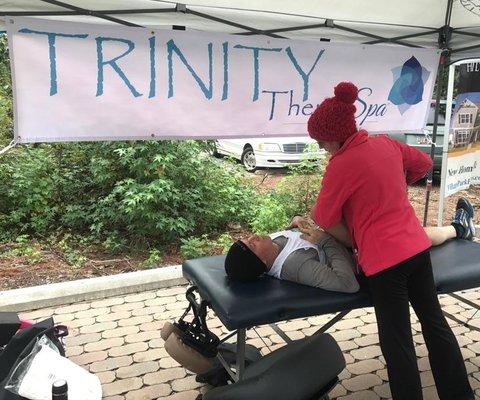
<point x="9" y="324"/>
<point x="21" y="345"/>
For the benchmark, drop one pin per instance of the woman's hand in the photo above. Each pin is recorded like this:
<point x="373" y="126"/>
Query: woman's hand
<point x="313" y="234"/>
<point x="299" y="222"/>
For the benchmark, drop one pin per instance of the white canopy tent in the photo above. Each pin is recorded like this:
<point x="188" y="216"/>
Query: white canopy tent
<point x="450" y="25"/>
<point x="453" y="24"/>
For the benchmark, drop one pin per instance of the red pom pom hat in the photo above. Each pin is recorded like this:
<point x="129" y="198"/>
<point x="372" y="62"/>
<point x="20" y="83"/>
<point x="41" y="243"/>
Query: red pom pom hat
<point x="334" y="118"/>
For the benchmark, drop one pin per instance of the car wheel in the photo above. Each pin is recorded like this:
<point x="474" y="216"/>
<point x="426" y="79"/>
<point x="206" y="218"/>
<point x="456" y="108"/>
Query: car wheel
<point x="248" y="159"/>
<point x="215" y="152"/>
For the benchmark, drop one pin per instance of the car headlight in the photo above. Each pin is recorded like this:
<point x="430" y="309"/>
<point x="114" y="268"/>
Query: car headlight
<point x="269" y="147"/>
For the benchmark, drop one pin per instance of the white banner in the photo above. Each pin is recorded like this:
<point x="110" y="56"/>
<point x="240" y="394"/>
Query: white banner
<point x="77" y="81"/>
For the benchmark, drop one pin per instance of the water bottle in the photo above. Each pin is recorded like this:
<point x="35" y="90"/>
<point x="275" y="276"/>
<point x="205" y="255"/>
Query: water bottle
<point x="60" y="390"/>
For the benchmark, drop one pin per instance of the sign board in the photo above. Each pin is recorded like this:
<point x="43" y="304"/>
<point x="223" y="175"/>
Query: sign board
<point x="463" y="159"/>
<point x="75" y="82"/>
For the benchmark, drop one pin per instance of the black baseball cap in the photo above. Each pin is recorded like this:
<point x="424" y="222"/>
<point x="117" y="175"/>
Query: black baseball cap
<point x="242" y="264"/>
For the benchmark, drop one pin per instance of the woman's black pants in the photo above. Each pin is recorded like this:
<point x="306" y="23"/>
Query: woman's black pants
<point x="392" y="289"/>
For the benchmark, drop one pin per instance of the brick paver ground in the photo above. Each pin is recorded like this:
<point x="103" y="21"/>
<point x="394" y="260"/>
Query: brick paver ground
<point x="118" y="339"/>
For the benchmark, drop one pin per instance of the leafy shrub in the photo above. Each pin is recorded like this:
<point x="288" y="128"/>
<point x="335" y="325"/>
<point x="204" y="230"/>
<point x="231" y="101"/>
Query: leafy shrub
<point x="6" y="109"/>
<point x="295" y="195"/>
<point x="121" y="193"/>
<point x="224" y="242"/>
<point x="174" y="189"/>
<point x="200" y="246"/>
<point x="298" y="191"/>
<point x="28" y="191"/>
<point x="23" y="246"/>
<point x="71" y="255"/>
<point x="154" y="257"/>
<point x="270" y="215"/>
<point x="196" y="246"/>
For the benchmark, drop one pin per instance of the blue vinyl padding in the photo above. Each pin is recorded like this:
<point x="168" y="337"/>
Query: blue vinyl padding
<point x="456" y="266"/>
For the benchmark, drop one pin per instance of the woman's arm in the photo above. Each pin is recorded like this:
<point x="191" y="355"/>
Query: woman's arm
<point x="334" y="193"/>
<point x="341" y="233"/>
<point x="416" y="162"/>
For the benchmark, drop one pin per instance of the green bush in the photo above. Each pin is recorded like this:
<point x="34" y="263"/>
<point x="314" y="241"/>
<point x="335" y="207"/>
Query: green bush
<point x="154" y="257"/>
<point x="196" y="246"/>
<point x="295" y="195"/>
<point x="174" y="189"/>
<point x="224" y="242"/>
<point x="6" y="109"/>
<point x="71" y="255"/>
<point x="270" y="215"/>
<point x="200" y="246"/>
<point x="22" y="246"/>
<point x="298" y="191"/>
<point x="121" y="193"/>
<point x="28" y="190"/>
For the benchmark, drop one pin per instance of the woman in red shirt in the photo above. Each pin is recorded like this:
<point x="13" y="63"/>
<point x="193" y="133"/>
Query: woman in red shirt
<point x="364" y="186"/>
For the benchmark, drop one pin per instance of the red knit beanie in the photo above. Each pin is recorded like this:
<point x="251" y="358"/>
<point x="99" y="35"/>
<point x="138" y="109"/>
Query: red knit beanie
<point x="334" y="118"/>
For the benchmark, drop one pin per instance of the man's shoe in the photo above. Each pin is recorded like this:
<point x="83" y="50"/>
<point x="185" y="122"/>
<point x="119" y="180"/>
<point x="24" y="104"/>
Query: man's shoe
<point x="464" y="204"/>
<point x="461" y="224"/>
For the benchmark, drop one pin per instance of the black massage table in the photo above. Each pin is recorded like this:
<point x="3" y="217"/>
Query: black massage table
<point x="239" y="306"/>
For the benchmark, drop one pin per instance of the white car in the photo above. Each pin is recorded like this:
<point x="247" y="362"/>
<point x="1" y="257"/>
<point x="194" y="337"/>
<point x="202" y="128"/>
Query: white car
<point x="271" y="152"/>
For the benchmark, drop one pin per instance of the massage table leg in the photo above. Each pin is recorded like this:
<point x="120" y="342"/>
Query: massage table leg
<point x="239" y="355"/>
<point x="459" y="321"/>
<point x="333" y="321"/>
<point x="281" y="333"/>
<point x="241" y="338"/>
<point x="227" y="367"/>
<point x="241" y="341"/>
<point x="322" y="329"/>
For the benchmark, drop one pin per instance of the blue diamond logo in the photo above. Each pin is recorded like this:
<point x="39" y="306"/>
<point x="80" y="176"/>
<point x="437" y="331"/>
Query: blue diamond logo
<point x="409" y="81"/>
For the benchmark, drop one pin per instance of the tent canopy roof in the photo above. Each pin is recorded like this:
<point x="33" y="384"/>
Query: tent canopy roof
<point x="361" y="21"/>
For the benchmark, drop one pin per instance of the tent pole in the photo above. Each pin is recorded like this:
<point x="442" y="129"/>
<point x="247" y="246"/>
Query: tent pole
<point x="67" y="13"/>
<point x="466" y="48"/>
<point x="412" y="35"/>
<point x="446" y="135"/>
<point x="231" y="23"/>
<point x="344" y="28"/>
<point x="330" y="24"/>
<point x="444" y="36"/>
<point x="438" y="97"/>
<point x="38" y="13"/>
<point x="138" y="11"/>
<point x="83" y="11"/>
<point x="287" y="29"/>
<point x="473" y="34"/>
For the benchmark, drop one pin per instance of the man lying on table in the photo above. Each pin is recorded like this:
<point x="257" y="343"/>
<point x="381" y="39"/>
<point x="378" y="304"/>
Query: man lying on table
<point x="312" y="257"/>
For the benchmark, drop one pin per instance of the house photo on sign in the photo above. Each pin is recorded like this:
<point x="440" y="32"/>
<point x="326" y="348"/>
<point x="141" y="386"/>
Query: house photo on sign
<point x="463" y="168"/>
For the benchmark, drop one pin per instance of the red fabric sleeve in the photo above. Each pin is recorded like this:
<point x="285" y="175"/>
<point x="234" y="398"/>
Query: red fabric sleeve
<point x="416" y="163"/>
<point x="327" y="211"/>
